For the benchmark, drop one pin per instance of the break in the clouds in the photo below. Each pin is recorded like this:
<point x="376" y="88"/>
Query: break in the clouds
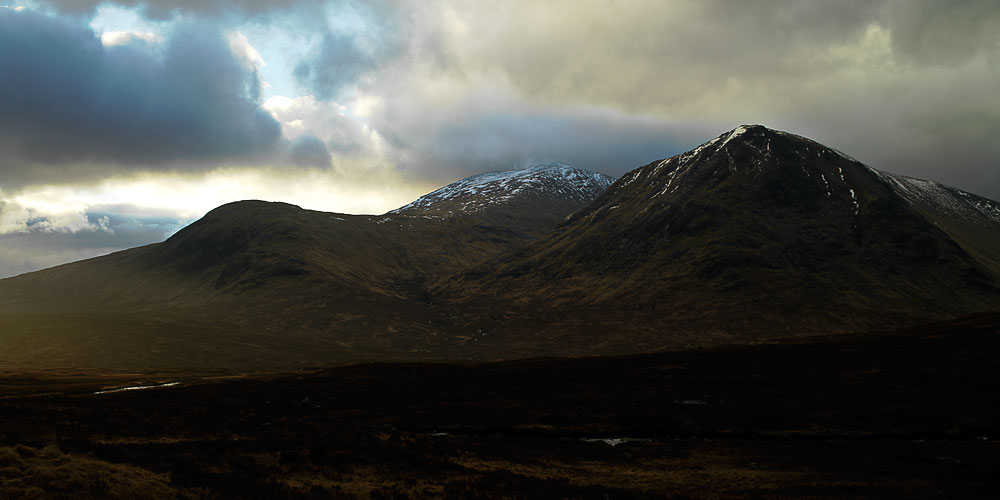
<point x="355" y="105"/>
<point x="59" y="230"/>
<point x="165" y="9"/>
<point x="46" y="244"/>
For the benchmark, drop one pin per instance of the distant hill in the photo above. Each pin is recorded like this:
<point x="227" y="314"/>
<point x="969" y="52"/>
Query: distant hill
<point x="271" y="280"/>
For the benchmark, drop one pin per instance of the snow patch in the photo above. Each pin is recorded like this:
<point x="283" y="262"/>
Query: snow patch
<point x="477" y="192"/>
<point x="943" y="197"/>
<point x="738" y="131"/>
<point x="826" y="185"/>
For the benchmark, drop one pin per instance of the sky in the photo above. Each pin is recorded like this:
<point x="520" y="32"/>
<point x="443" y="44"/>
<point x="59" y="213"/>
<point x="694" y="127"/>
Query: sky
<point x="122" y="121"/>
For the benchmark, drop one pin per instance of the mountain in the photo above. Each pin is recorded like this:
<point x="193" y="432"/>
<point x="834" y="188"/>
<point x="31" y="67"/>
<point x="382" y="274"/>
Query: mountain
<point x="755" y="234"/>
<point x="262" y="281"/>
<point x="545" y="191"/>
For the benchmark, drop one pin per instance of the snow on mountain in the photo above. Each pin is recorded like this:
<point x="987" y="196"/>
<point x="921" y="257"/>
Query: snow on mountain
<point x="942" y="197"/>
<point x="752" y="148"/>
<point x="478" y="192"/>
<point x="753" y="234"/>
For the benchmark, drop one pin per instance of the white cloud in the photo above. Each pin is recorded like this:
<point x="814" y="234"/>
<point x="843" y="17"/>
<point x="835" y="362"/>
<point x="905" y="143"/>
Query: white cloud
<point x="104" y="224"/>
<point x="344" y="133"/>
<point x="246" y="53"/>
<point x="111" y="38"/>
<point x="46" y="210"/>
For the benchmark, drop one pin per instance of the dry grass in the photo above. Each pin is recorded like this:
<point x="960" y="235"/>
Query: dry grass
<point x="908" y="414"/>
<point x="708" y="475"/>
<point x="31" y="473"/>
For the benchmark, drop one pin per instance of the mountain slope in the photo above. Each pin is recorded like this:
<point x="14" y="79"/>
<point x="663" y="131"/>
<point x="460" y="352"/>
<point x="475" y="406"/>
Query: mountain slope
<point x="754" y="234"/>
<point x="255" y="276"/>
<point x="240" y="247"/>
<point x="969" y="219"/>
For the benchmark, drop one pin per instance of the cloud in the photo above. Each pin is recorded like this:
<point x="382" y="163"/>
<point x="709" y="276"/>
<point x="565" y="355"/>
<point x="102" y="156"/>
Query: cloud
<point x="310" y="123"/>
<point x="41" y="247"/>
<point x="166" y="9"/>
<point x="110" y="38"/>
<point x="494" y="130"/>
<point x="69" y="100"/>
<point x="904" y="86"/>
<point x="43" y="215"/>
<point x="46" y="229"/>
<point x="361" y="38"/>
<point x="944" y="33"/>
<point x="442" y="88"/>
<point x="308" y="150"/>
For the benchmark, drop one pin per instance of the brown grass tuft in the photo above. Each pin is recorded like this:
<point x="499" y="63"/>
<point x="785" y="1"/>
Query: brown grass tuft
<point x="31" y="473"/>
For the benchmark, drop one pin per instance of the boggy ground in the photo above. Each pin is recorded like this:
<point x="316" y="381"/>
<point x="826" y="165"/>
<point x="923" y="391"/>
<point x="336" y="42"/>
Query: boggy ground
<point x="909" y="414"/>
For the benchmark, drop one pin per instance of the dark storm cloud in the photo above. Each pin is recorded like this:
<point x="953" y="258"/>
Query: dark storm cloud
<point x="933" y="32"/>
<point x="67" y="99"/>
<point x="340" y="61"/>
<point x="309" y="151"/>
<point x="346" y="56"/>
<point x="598" y="140"/>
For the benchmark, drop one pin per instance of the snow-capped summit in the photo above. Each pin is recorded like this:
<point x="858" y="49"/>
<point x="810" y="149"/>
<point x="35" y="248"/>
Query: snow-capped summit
<point x="556" y="181"/>
<point x="761" y="232"/>
<point x="791" y="168"/>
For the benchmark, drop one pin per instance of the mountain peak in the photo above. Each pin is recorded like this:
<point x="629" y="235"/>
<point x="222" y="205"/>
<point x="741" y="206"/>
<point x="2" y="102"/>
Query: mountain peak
<point x="772" y="163"/>
<point x="759" y="228"/>
<point x="482" y="191"/>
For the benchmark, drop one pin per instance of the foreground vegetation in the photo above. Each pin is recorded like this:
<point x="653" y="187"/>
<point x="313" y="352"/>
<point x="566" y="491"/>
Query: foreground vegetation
<point x="909" y="414"/>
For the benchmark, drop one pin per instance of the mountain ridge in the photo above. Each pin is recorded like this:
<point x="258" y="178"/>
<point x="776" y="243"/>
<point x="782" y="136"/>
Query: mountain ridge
<point x="478" y="192"/>
<point x="267" y="283"/>
<point x="755" y="232"/>
<point x="754" y="235"/>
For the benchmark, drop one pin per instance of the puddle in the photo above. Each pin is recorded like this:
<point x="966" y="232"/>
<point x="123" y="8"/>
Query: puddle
<point x="613" y="441"/>
<point x="691" y="402"/>
<point x="138" y="387"/>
